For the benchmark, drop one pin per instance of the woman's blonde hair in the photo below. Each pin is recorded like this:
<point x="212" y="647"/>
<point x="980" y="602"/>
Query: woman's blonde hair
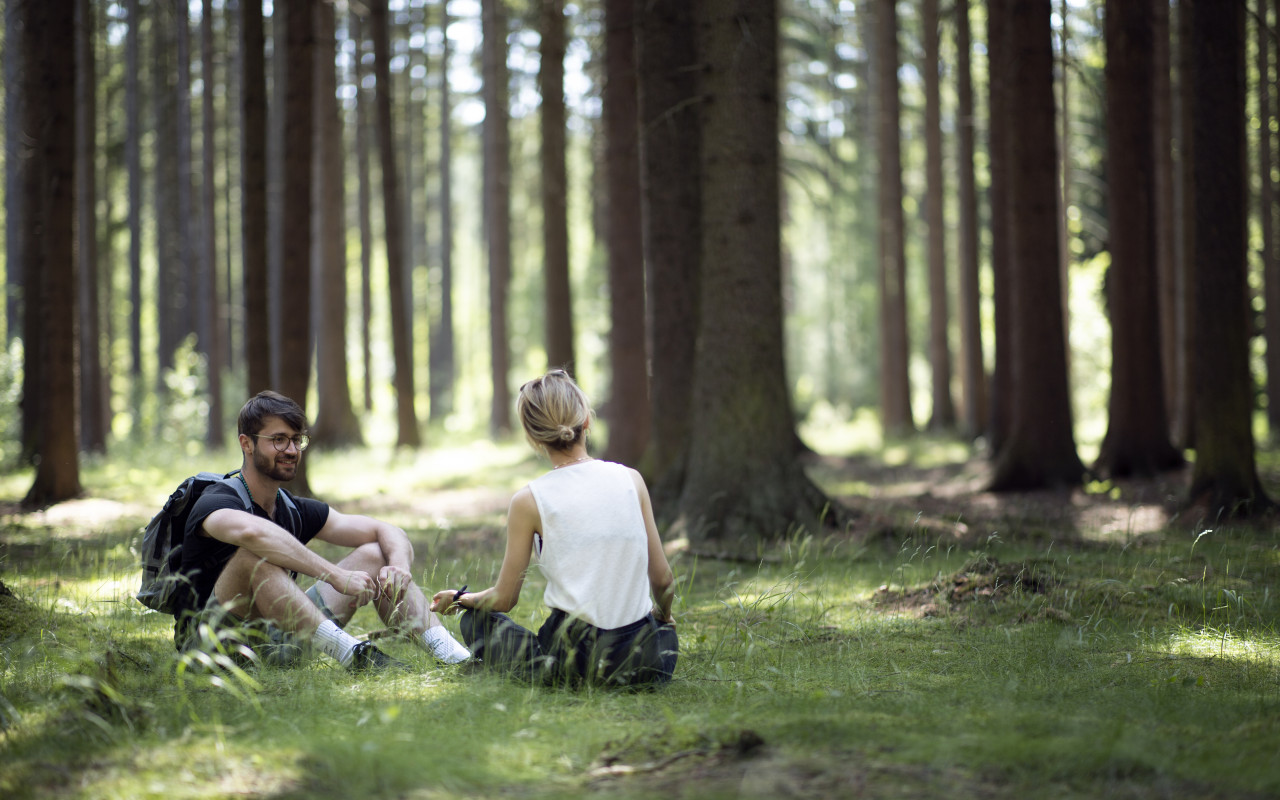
<point x="554" y="411"/>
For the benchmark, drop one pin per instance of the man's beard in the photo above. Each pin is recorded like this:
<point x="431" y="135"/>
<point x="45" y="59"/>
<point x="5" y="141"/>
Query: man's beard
<point x="276" y="469"/>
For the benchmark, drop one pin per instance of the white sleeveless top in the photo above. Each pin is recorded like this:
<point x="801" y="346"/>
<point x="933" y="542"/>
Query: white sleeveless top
<point x="595" y="550"/>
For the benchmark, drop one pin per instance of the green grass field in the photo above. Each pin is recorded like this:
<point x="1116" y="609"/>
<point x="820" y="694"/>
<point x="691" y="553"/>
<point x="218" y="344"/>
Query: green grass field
<point x="929" y="651"/>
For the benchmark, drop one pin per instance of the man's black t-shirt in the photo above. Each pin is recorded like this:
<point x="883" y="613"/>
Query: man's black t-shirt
<point x="203" y="557"/>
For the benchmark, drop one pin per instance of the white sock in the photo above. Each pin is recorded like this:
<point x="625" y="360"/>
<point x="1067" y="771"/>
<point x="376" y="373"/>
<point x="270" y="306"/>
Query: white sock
<point x="443" y="646"/>
<point x="334" y="641"/>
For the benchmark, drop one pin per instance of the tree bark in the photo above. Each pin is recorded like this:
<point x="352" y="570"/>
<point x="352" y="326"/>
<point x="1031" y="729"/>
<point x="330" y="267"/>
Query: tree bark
<point x="253" y="200"/>
<point x="671" y="215"/>
<point x="1266" y="213"/>
<point x="336" y="424"/>
<point x="171" y="299"/>
<point x="399" y="282"/>
<point x="972" y="372"/>
<point x="943" y="416"/>
<point x="1137" y="440"/>
<point x="1166" y="250"/>
<point x="1040" y="451"/>
<point x="49" y="241"/>
<point x="364" y="212"/>
<point x="1184" y="421"/>
<point x="895" y="350"/>
<point x="93" y="417"/>
<point x="133" y="160"/>
<point x="210" y="300"/>
<point x="999" y="68"/>
<point x="1225" y="479"/>
<point x="14" y="165"/>
<point x="555" y="224"/>
<point x="497" y="204"/>
<point x="628" y="407"/>
<point x="744" y="480"/>
<point x="441" y="357"/>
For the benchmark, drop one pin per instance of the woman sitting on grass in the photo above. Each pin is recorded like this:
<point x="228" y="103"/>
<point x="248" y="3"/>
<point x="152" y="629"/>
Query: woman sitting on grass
<point x="591" y="524"/>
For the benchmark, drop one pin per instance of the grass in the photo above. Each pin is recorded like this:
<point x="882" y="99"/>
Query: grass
<point x="912" y="665"/>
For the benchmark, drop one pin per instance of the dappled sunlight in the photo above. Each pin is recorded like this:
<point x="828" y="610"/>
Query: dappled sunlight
<point x="1211" y="643"/>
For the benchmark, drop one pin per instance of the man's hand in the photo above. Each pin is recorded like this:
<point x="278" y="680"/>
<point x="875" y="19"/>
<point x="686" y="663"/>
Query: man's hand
<point x="393" y="582"/>
<point x="355" y="584"/>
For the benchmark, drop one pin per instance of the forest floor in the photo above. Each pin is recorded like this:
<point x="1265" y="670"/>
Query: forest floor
<point x="1098" y="641"/>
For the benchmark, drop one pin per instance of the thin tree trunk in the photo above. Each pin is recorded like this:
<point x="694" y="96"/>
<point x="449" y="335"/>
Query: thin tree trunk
<point x="972" y="372"/>
<point x="364" y="213"/>
<point x="895" y="388"/>
<point x="1166" y="261"/>
<point x="998" y="68"/>
<point x="93" y="421"/>
<point x="398" y="279"/>
<point x="253" y="202"/>
<point x="14" y="163"/>
<point x="210" y="301"/>
<point x="133" y="161"/>
<point x="336" y="423"/>
<point x="628" y="407"/>
<point x="943" y="416"/>
<point x="497" y="204"/>
<point x="187" y="274"/>
<point x="166" y="198"/>
<point x="1184" y="424"/>
<point x="441" y="357"/>
<point x="555" y="225"/>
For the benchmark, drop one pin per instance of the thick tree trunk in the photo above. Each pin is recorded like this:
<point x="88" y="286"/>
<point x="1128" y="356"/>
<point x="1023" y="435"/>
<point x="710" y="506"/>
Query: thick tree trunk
<point x="1225" y="478"/>
<point x="1266" y="213"/>
<point x="209" y="330"/>
<point x="972" y="372"/>
<point x="93" y="418"/>
<point x="895" y="350"/>
<point x="1040" y="451"/>
<point x="1137" y="440"/>
<point x="1166" y="231"/>
<point x="497" y="205"/>
<point x="441" y="357"/>
<point x="555" y="225"/>
<point x="253" y="200"/>
<point x="943" y="416"/>
<point x="999" y="69"/>
<point x="628" y="408"/>
<point x="49" y="240"/>
<point x="743" y="482"/>
<point x="336" y="424"/>
<point x="14" y="164"/>
<point x="671" y="215"/>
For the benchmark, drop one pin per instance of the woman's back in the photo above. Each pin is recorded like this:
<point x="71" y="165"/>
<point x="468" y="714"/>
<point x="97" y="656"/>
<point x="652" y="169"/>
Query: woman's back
<point x="594" y="551"/>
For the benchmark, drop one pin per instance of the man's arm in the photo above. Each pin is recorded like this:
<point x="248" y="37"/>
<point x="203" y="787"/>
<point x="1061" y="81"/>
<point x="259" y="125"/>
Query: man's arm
<point x="354" y="530"/>
<point x="274" y="544"/>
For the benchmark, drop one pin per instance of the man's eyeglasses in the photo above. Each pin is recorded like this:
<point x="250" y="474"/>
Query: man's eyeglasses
<point x="282" y="440"/>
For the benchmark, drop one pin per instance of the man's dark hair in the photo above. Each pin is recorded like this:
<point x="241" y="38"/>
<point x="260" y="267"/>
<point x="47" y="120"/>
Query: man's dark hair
<point x="270" y="404"/>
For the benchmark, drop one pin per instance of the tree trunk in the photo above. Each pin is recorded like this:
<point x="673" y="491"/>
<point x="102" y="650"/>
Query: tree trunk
<point x="1266" y="212"/>
<point x="1137" y="440"/>
<point x="944" y="413"/>
<point x="628" y="408"/>
<point x="895" y="350"/>
<point x="209" y="300"/>
<point x="999" y="66"/>
<point x="497" y="204"/>
<point x="14" y="166"/>
<point x="972" y="372"/>
<point x="166" y="198"/>
<point x="744" y="481"/>
<point x="336" y="423"/>
<point x="1186" y="197"/>
<point x="93" y="418"/>
<point x="364" y="212"/>
<point x="186" y="275"/>
<point x="1166" y="261"/>
<point x="441" y="357"/>
<point x="253" y="200"/>
<point x="1225" y="478"/>
<point x="671" y="215"/>
<point x="49" y="243"/>
<point x="1040" y="451"/>
<point x="398" y="280"/>
<point x="555" y="225"/>
<point x="133" y="160"/>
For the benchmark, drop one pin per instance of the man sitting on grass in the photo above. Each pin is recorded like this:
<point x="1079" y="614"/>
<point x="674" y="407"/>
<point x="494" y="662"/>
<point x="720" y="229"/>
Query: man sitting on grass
<point x="241" y="565"/>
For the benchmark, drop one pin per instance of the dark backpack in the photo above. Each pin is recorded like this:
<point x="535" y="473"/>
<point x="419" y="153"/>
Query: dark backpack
<point x="162" y="538"/>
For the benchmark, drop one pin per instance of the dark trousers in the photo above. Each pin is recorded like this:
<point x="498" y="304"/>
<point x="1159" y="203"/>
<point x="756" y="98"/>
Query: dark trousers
<point x="572" y="652"/>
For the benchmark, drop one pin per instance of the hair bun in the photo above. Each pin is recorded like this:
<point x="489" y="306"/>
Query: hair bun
<point x="566" y="434"/>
